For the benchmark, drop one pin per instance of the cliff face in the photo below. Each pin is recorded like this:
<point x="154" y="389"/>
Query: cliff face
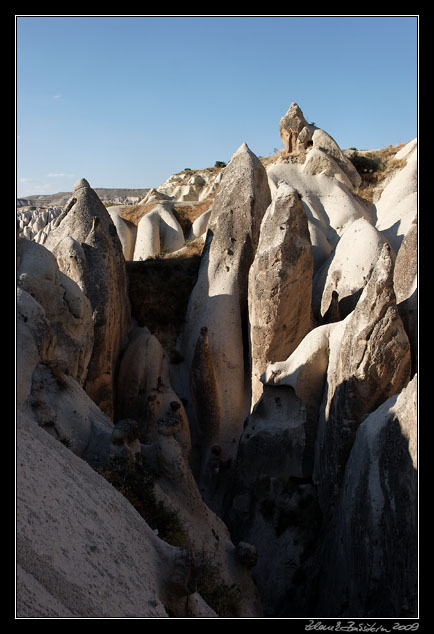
<point x="258" y="416"/>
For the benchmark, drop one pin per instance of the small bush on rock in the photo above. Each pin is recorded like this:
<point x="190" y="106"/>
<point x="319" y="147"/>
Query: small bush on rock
<point x="136" y="483"/>
<point x="224" y="599"/>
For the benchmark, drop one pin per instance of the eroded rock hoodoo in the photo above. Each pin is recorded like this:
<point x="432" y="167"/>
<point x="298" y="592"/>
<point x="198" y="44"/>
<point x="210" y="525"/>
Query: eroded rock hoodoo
<point x="249" y="449"/>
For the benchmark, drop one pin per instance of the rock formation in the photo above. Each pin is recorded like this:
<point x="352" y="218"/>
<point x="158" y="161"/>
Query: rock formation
<point x="144" y="389"/>
<point x="405" y="287"/>
<point x="369" y="362"/>
<point x="300" y="137"/>
<point x="188" y="185"/>
<point x="126" y="231"/>
<point x="88" y="249"/>
<point x="397" y="206"/>
<point x="82" y="550"/>
<point x="324" y="177"/>
<point x="64" y="305"/>
<point x="369" y="558"/>
<point x="158" y="231"/>
<point x="280" y="284"/>
<point x="219" y="299"/>
<point x="347" y="269"/>
<point x="35" y="224"/>
<point x="264" y="464"/>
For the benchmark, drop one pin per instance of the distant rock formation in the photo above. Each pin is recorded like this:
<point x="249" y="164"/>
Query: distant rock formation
<point x="314" y="165"/>
<point x="114" y="195"/>
<point x="301" y="138"/>
<point x="158" y="231"/>
<point x="191" y="186"/>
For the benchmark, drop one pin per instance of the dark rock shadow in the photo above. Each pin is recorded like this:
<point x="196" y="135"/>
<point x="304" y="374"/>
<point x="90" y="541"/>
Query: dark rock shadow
<point x="366" y="564"/>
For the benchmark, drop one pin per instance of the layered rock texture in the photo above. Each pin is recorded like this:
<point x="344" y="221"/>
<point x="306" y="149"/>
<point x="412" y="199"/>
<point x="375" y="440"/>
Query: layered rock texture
<point x="215" y="337"/>
<point x="280" y="284"/>
<point x="249" y="449"/>
<point x="88" y="250"/>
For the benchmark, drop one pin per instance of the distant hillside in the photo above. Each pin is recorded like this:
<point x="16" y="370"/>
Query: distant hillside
<point x="60" y="199"/>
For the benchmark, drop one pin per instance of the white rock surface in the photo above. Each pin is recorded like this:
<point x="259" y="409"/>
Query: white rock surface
<point x="398" y="203"/>
<point x="349" y="266"/>
<point x="330" y="206"/>
<point x="188" y="186"/>
<point x="369" y="362"/>
<point x="306" y="368"/>
<point x="127" y="231"/>
<point x="65" y="306"/>
<point x="200" y="225"/>
<point x="158" y="231"/>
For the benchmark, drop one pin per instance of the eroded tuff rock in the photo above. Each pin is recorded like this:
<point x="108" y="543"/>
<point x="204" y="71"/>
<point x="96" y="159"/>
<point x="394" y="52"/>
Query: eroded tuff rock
<point x="347" y="269"/>
<point x="220" y="567"/>
<point x="323" y="153"/>
<point x="292" y="126"/>
<point x="82" y="549"/>
<point x="54" y="345"/>
<point x="397" y="206"/>
<point x="205" y="399"/>
<point x="144" y="388"/>
<point x="158" y="231"/>
<point x="405" y="286"/>
<point x="218" y="301"/>
<point x="280" y="284"/>
<point x="324" y="177"/>
<point x="367" y="564"/>
<point x="344" y="546"/>
<point x="88" y="237"/>
<point x="305" y="370"/>
<point x="191" y="186"/>
<point x="330" y="205"/>
<point x="35" y="224"/>
<point x="369" y="362"/>
<point x="127" y="231"/>
<point x="270" y="502"/>
<point x="64" y="305"/>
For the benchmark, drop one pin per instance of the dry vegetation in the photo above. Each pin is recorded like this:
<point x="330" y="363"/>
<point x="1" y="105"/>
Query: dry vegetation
<point x="375" y="166"/>
<point x="187" y="212"/>
<point x="133" y="213"/>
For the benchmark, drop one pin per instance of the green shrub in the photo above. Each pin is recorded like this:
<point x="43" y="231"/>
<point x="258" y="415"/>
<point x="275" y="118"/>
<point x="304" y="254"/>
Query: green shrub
<point x="224" y="599"/>
<point x="366" y="164"/>
<point x="136" y="483"/>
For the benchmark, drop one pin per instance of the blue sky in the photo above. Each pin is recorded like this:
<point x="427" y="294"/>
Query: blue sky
<point x="126" y="101"/>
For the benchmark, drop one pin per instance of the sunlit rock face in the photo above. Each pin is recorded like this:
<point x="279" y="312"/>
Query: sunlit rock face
<point x="88" y="250"/>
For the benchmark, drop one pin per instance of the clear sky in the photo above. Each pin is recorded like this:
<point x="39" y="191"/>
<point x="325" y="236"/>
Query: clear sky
<point x="126" y="101"/>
